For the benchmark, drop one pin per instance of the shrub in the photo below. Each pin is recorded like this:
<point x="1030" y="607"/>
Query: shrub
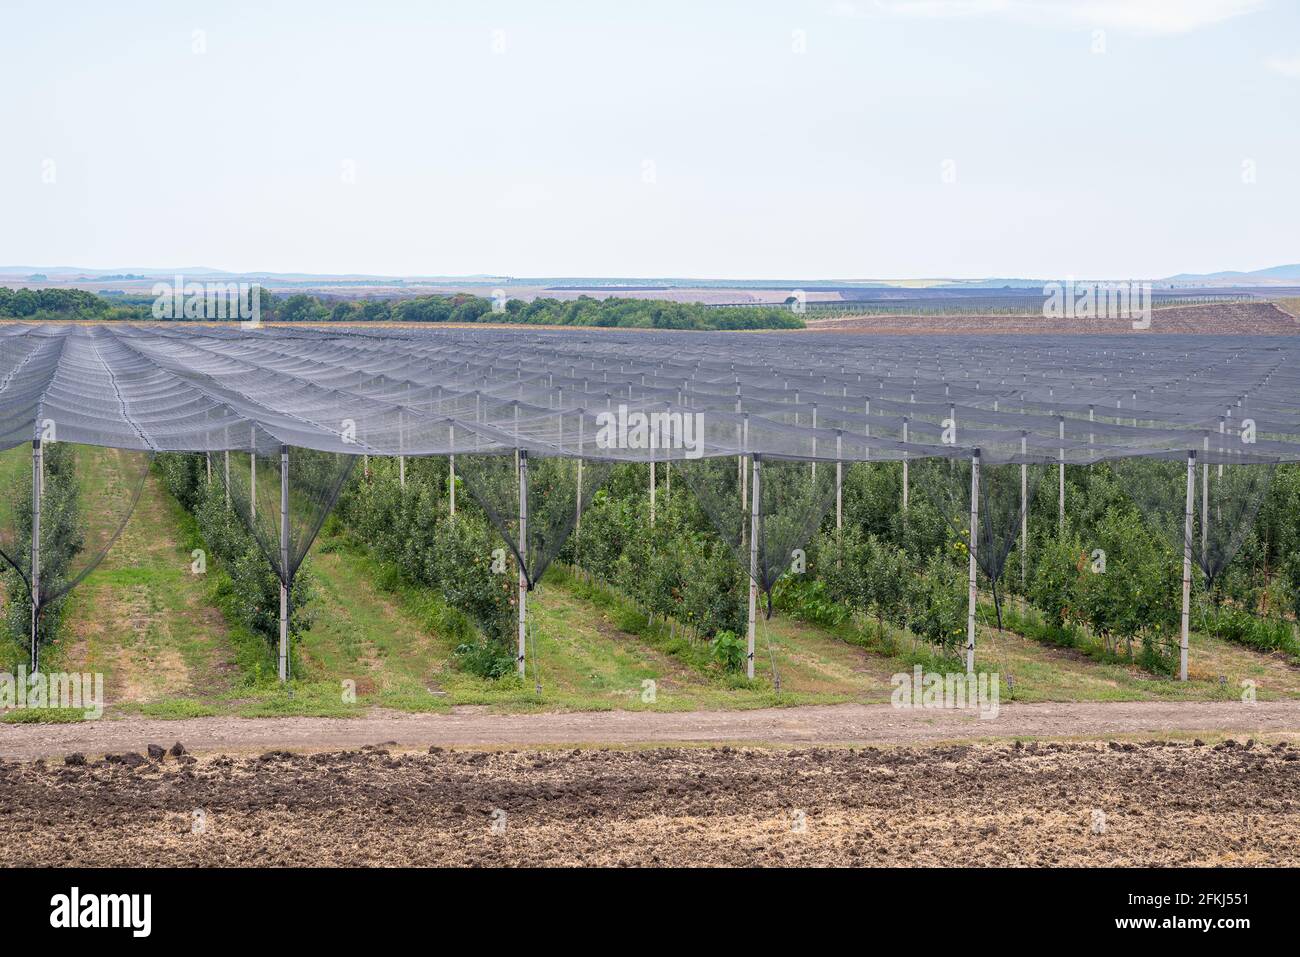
<point x="729" y="651"/>
<point x="1138" y="595"/>
<point x="1054" y="583"/>
<point x="1241" y="627"/>
<point x="679" y="569"/>
<point x="890" y="585"/>
<point x="939" y="614"/>
<point x="485" y="659"/>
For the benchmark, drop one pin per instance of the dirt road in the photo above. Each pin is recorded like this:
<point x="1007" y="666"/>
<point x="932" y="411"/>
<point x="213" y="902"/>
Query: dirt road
<point x="824" y="724"/>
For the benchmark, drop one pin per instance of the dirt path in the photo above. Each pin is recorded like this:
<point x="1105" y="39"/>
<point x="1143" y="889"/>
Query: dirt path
<point x="819" y="724"/>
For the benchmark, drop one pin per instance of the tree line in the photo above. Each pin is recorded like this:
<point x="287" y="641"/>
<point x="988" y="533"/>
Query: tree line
<point x="65" y="304"/>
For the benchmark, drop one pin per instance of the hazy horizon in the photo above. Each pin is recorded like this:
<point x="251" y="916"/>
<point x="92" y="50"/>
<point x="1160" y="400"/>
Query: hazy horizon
<point x="893" y="139"/>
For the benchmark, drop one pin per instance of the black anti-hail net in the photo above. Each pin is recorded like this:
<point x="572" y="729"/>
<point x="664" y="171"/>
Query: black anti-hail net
<point x="430" y="390"/>
<point x="1006" y="494"/>
<point x="793" y="498"/>
<point x="88" y="495"/>
<point x="402" y="391"/>
<point x="253" y="481"/>
<point x="1227" y="491"/>
<point x="553" y="502"/>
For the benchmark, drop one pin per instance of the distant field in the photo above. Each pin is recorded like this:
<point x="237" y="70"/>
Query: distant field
<point x="1291" y="306"/>
<point x="1235" y="318"/>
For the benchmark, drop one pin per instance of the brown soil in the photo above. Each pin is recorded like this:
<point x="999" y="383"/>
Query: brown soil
<point x="1057" y="804"/>
<point x="842" y="724"/>
<point x="1252" y="318"/>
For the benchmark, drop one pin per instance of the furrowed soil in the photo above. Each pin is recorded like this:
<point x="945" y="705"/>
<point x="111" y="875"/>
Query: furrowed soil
<point x="1154" y="803"/>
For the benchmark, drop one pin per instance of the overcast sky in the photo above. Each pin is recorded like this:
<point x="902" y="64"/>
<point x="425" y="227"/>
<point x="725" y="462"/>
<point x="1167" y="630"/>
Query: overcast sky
<point x="748" y="139"/>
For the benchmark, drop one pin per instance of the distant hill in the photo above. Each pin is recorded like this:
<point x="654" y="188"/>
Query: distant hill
<point x="607" y="285"/>
<point x="1289" y="273"/>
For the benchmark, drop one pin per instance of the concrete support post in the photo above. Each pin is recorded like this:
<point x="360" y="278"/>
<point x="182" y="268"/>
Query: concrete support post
<point x="38" y="471"/>
<point x="284" y="564"/>
<point x="904" y="465"/>
<point x="974" y="546"/>
<point x="1060" y="505"/>
<point x="1205" y="506"/>
<point x="577" y="518"/>
<point x="252" y="479"/>
<point x="1187" y="565"/>
<point x="523" y="550"/>
<point x="753" y="568"/>
<point x="839" y="480"/>
<point x="1024" y="508"/>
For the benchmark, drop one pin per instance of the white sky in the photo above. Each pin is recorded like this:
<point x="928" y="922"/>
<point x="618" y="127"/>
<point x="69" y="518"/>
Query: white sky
<point x="763" y="161"/>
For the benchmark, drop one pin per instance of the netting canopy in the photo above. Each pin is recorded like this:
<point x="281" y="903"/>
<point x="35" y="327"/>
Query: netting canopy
<point x="555" y="491"/>
<point x="775" y="508"/>
<point x="257" y="486"/>
<point x="642" y="396"/>
<point x="560" y="405"/>
<point x="1225" y="493"/>
<point x="1005" y="494"/>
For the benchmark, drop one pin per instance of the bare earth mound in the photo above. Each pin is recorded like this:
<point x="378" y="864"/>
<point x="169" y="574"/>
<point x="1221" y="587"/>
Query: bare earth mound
<point x="1237" y="318"/>
<point x="1053" y="804"/>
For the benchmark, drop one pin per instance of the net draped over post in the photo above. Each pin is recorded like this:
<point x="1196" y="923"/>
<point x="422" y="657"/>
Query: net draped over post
<point x="573" y="401"/>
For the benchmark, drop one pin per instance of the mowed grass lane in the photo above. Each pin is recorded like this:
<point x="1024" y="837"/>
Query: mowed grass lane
<point x="142" y="617"/>
<point x="372" y="628"/>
